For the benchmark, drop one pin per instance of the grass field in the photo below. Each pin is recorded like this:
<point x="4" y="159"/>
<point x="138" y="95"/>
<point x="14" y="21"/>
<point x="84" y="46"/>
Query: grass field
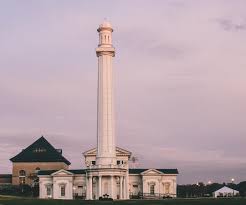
<point x="26" y="201"/>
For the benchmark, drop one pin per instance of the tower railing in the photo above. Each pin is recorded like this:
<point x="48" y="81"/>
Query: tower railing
<point x="110" y="166"/>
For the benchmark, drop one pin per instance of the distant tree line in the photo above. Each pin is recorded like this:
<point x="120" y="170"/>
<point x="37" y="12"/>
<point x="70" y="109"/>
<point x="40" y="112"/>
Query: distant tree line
<point x="202" y="190"/>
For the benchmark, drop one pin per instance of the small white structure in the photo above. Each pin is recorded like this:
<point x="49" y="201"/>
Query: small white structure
<point x="225" y="192"/>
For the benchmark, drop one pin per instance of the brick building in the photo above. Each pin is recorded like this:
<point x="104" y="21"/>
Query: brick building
<point x="40" y="155"/>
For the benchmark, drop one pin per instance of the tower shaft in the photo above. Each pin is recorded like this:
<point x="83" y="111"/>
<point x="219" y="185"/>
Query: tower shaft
<point x="106" y="155"/>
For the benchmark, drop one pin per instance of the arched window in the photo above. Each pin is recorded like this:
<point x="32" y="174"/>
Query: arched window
<point x="22" y="173"/>
<point x="108" y="39"/>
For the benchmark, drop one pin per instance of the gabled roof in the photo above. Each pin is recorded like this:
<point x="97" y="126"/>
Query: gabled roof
<point x="226" y="189"/>
<point x="49" y="172"/>
<point x="40" y="151"/>
<point x="151" y="172"/>
<point x="61" y="172"/>
<point x="164" y="171"/>
<point x="119" y="152"/>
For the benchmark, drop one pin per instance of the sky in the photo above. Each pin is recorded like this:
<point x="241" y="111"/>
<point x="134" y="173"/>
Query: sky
<point x="179" y="80"/>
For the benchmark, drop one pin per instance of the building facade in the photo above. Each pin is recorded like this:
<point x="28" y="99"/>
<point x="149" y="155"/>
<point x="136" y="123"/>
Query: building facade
<point x="107" y="172"/>
<point x="140" y="183"/>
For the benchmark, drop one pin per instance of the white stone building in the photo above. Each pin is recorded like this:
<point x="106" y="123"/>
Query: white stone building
<point x="107" y="172"/>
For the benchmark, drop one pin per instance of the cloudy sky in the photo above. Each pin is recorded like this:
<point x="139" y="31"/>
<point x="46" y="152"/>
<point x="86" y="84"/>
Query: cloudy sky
<point x="180" y="81"/>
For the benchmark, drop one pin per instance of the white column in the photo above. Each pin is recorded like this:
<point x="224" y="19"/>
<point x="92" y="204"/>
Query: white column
<point x="174" y="188"/>
<point x="87" y="187"/>
<point x="112" y="186"/>
<point x="105" y="112"/>
<point x="121" y="187"/>
<point x="41" y="189"/>
<point x="127" y="186"/>
<point x="99" y="186"/>
<point x="90" y="187"/>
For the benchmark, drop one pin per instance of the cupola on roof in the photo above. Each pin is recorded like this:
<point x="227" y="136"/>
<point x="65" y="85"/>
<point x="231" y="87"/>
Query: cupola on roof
<point x="105" y="25"/>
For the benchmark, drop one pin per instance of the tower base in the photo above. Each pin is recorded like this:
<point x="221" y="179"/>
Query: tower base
<point x="107" y="183"/>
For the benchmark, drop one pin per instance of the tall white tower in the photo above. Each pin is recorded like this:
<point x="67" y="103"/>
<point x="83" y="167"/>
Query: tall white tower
<point x="106" y="155"/>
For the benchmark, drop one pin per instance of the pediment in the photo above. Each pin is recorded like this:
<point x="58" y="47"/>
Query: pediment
<point x="151" y="172"/>
<point x="226" y="189"/>
<point x="62" y="172"/>
<point x="119" y="152"/>
<point x="91" y="152"/>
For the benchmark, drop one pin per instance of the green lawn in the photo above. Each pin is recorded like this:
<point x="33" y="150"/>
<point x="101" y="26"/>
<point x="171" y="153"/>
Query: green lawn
<point x="26" y="201"/>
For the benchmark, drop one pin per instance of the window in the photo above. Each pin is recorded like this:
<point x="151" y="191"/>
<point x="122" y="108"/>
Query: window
<point x="48" y="190"/>
<point x="22" y="177"/>
<point x="167" y="188"/>
<point x="80" y="190"/>
<point x="22" y="173"/>
<point x="39" y="150"/>
<point x="120" y="162"/>
<point x="152" y="189"/>
<point x="37" y="170"/>
<point x="22" y="180"/>
<point x="63" y="190"/>
<point x="135" y="189"/>
<point x="93" y="162"/>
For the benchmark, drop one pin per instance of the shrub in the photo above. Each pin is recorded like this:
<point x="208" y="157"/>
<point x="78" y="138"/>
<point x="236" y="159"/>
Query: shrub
<point x="16" y="190"/>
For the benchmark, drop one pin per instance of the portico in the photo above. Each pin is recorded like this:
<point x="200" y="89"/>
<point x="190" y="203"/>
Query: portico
<point x="116" y="189"/>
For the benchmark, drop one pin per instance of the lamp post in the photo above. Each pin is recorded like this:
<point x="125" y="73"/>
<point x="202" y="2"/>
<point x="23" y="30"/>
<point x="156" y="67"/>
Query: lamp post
<point x="232" y="181"/>
<point x="74" y="189"/>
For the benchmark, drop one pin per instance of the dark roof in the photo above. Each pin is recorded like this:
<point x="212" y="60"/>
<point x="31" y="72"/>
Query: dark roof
<point x="136" y="171"/>
<point x="40" y="151"/>
<point x="131" y="171"/>
<point x="49" y="172"/>
<point x="168" y="171"/>
<point x="164" y="171"/>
